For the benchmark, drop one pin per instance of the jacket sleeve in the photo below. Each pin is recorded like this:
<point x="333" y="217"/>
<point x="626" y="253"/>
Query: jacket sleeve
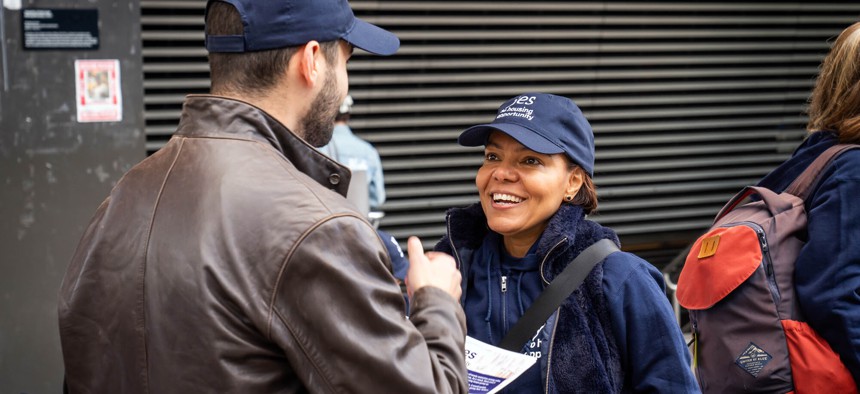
<point x="650" y="343"/>
<point x="339" y="316"/>
<point x="827" y="273"/>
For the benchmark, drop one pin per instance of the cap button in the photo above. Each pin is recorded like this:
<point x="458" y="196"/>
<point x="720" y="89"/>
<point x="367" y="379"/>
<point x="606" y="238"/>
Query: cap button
<point x="334" y="179"/>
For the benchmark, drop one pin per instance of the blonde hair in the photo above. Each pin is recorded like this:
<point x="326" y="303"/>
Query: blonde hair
<point x="835" y="101"/>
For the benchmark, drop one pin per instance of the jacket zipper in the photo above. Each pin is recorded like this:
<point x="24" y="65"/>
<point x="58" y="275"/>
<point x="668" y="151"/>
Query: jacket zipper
<point x="457" y="259"/>
<point x="548" y="253"/>
<point x="451" y="242"/>
<point x="555" y="324"/>
<point x="504" y="301"/>
<point x="549" y="353"/>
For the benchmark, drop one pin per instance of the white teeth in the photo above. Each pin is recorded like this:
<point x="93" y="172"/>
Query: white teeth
<point x="499" y="197"/>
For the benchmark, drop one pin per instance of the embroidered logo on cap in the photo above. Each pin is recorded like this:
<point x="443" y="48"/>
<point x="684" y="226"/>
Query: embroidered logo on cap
<point x="519" y="108"/>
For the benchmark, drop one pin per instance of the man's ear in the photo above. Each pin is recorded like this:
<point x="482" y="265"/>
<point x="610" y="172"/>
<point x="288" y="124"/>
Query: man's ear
<point x="309" y="62"/>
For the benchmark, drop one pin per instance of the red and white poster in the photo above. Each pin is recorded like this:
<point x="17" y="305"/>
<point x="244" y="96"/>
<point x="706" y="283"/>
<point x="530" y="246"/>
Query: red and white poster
<point x="97" y="91"/>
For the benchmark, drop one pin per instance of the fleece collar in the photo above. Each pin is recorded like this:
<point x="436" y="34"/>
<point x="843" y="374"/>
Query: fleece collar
<point x="567" y="234"/>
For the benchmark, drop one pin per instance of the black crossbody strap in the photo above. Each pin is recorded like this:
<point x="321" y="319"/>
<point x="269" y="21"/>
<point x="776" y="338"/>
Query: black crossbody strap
<point x="553" y="295"/>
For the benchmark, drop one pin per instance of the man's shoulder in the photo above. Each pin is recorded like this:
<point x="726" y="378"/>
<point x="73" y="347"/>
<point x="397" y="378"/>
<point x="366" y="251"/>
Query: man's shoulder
<point x="260" y="182"/>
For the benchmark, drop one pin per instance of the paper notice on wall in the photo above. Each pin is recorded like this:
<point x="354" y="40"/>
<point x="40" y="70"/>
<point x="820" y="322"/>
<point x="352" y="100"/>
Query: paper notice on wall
<point x="12" y="5"/>
<point x="492" y="368"/>
<point x="97" y="91"/>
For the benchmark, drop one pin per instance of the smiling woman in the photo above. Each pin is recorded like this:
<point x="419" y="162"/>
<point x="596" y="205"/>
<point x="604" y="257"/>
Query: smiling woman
<point x="616" y="332"/>
<point x="520" y="189"/>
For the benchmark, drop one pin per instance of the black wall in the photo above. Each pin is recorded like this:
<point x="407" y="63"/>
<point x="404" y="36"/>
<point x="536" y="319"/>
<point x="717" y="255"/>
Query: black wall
<point x="54" y="171"/>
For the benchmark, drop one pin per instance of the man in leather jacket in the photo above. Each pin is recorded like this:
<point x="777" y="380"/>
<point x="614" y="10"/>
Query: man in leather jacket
<point x="229" y="261"/>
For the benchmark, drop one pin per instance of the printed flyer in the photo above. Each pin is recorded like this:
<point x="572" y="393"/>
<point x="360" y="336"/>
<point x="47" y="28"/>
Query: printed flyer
<point x="492" y="368"/>
<point x="98" y="94"/>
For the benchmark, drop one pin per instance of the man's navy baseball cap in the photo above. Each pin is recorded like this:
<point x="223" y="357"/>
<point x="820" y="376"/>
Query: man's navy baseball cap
<point x="544" y="123"/>
<point x="273" y="24"/>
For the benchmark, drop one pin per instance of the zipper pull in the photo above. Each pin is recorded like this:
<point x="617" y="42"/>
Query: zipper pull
<point x="504" y="283"/>
<point x="763" y="241"/>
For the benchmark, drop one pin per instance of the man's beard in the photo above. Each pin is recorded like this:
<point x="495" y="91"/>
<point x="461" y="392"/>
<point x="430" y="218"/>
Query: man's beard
<point x="317" y="125"/>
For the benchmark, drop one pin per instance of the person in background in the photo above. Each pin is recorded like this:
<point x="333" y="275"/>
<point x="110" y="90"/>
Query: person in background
<point x="827" y="271"/>
<point x="357" y="154"/>
<point x="230" y="262"/>
<point x="616" y="333"/>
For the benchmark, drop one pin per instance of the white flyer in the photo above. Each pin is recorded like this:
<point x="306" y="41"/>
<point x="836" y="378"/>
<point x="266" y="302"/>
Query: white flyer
<point x="492" y="368"/>
<point x="97" y="90"/>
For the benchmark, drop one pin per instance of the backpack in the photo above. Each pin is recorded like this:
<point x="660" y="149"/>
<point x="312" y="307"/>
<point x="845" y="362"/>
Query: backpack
<point x="738" y="285"/>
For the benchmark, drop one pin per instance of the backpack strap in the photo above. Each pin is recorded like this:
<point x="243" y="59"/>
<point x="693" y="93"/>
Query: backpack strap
<point x="553" y="295"/>
<point x="808" y="179"/>
<point x="800" y="187"/>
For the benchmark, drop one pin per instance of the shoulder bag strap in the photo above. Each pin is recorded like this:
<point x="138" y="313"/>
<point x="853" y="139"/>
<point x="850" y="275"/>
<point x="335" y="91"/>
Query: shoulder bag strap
<point x="553" y="295"/>
<point x="808" y="179"/>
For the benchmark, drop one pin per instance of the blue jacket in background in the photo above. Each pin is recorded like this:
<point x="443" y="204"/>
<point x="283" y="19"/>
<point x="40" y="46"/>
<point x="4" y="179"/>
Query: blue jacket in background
<point x="827" y="272"/>
<point x="616" y="333"/>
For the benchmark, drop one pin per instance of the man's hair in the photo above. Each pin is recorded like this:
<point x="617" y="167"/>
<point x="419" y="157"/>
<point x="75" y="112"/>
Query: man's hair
<point x="249" y="73"/>
<point x="835" y="101"/>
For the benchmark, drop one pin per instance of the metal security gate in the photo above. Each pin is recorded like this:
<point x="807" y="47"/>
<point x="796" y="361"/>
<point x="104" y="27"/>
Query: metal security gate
<point x="690" y="101"/>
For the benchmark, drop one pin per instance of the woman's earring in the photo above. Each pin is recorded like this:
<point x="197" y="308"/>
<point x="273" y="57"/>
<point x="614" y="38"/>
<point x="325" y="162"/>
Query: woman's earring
<point x="568" y="198"/>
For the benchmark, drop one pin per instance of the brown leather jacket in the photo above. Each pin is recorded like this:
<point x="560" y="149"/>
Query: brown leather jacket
<point x="224" y="263"/>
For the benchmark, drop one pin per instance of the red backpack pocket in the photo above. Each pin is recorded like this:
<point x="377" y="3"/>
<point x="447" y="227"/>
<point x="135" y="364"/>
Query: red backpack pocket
<point x="718" y="263"/>
<point x="815" y="367"/>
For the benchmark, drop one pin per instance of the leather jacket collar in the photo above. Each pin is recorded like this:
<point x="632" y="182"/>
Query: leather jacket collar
<point x="221" y="117"/>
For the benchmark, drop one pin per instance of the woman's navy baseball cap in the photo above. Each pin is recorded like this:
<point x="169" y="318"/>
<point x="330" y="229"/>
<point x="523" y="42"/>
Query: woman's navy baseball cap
<point x="544" y="123"/>
<point x="272" y="24"/>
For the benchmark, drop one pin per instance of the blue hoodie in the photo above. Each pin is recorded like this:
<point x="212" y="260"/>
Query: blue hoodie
<point x="827" y="272"/>
<point x="616" y="333"/>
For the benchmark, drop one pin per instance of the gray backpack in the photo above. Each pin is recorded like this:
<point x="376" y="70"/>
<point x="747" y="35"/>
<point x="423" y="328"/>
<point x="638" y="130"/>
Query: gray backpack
<point x="738" y="285"/>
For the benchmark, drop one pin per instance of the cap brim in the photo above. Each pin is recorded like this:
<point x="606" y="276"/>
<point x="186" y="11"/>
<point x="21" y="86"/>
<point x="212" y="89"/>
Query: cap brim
<point x="477" y="136"/>
<point x="372" y="38"/>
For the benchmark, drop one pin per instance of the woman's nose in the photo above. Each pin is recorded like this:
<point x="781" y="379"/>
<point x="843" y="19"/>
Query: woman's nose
<point x="505" y="172"/>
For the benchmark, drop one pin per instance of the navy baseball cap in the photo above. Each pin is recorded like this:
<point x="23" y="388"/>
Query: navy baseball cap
<point x="544" y="123"/>
<point x="272" y="24"/>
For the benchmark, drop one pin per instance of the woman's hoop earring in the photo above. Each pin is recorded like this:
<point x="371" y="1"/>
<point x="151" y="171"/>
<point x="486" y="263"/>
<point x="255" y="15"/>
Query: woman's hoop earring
<point x="568" y="198"/>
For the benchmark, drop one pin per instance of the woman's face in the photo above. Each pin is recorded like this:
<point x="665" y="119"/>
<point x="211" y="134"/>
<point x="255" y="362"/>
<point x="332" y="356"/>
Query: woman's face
<point x="521" y="189"/>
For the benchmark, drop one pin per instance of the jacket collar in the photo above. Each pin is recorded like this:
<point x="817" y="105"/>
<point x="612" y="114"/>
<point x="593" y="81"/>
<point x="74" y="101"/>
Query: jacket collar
<point x="566" y="235"/>
<point x="468" y="226"/>
<point x="220" y="117"/>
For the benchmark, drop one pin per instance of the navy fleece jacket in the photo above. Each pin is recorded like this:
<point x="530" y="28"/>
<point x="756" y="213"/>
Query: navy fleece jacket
<point x="642" y="336"/>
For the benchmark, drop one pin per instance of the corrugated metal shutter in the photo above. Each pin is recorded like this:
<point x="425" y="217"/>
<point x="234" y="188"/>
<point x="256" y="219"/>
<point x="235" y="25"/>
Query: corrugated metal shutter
<point x="689" y="101"/>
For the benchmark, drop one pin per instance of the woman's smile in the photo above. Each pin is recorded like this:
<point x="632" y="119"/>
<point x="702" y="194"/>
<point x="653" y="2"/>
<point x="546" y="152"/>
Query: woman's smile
<point x="504" y="200"/>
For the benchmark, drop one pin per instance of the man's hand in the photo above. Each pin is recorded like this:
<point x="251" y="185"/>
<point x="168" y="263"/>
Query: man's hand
<point x="431" y="269"/>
